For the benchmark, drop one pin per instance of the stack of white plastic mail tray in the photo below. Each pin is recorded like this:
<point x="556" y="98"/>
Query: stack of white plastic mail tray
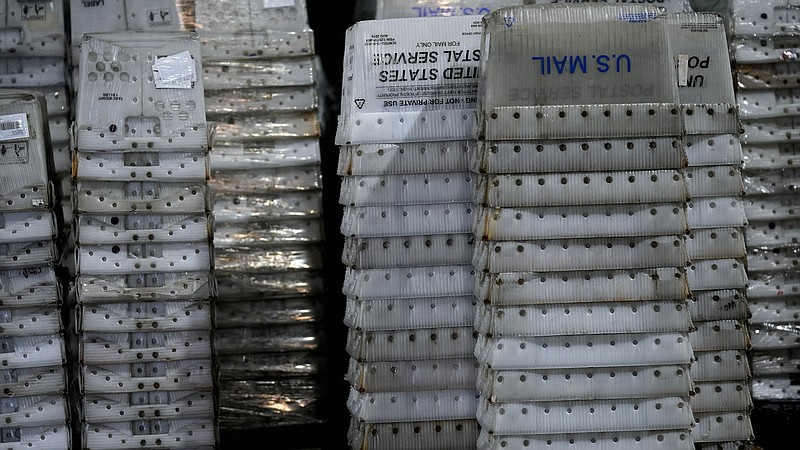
<point x="33" y="403"/>
<point x="765" y="48"/>
<point x="581" y="215"/>
<point x="33" y="52"/>
<point x="717" y="279"/>
<point x="408" y="104"/>
<point x="143" y="251"/>
<point x="261" y="90"/>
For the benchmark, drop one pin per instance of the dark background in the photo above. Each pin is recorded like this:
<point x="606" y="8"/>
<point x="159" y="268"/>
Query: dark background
<point x="774" y="422"/>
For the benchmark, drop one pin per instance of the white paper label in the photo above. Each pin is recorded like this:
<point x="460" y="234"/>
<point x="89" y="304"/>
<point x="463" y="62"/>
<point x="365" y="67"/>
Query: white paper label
<point x="14" y="127"/>
<point x="175" y="72"/>
<point x="683" y="70"/>
<point x="278" y="3"/>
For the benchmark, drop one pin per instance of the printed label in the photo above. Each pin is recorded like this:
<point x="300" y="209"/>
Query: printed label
<point x="278" y="3"/>
<point x="175" y="71"/>
<point x="14" y="153"/>
<point x="34" y="11"/>
<point x="159" y="17"/>
<point x="14" y="127"/>
<point x="93" y="3"/>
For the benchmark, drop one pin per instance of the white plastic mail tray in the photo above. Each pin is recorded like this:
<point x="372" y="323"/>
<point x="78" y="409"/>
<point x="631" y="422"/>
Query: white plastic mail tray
<point x="230" y="313"/>
<point x="722" y="427"/>
<point x="256" y="286"/>
<point x="32" y="351"/>
<point x="411" y="251"/>
<point x="590" y="188"/>
<point x="26" y="226"/>
<point x="174" y="167"/>
<point x="141" y="228"/>
<point x="548" y="156"/>
<point x="407" y="220"/>
<point x="250" y="15"/>
<point x="243" y="208"/>
<point x="410" y="345"/>
<point x="284" y="179"/>
<point x="433" y="435"/>
<point x="772" y="260"/>
<point x="29" y="286"/>
<point x="580" y="254"/>
<point x="667" y="413"/>
<point x="717" y="150"/>
<point x="277" y="232"/>
<point x="151" y="316"/>
<point x="33" y="29"/>
<point x="413" y="282"/>
<point x="149" y="377"/>
<point x="775" y="388"/>
<point x="33" y="381"/>
<point x="527" y="288"/>
<point x="196" y="434"/>
<point x="143" y="258"/>
<point x="244" y="44"/>
<point x="769" y="157"/>
<point x="140" y="90"/>
<point x="232" y="73"/>
<point x="721" y="396"/>
<point x="263" y="126"/>
<point x="723" y="365"/>
<point x="253" y="100"/>
<point x="583" y="319"/>
<point x="403" y="314"/>
<point x="772" y="207"/>
<point x="716" y="243"/>
<point x="410" y="80"/>
<point x="45" y="410"/>
<point x="390" y="407"/>
<point x="118" y="348"/>
<point x="774" y="336"/>
<point x="720" y="335"/>
<point x="34" y="72"/>
<point x="273" y="339"/>
<point x="264" y="155"/>
<point x="156" y="197"/>
<point x="715" y="274"/>
<point x="716" y="212"/>
<point x="653" y="440"/>
<point x="414" y="189"/>
<point x="776" y="363"/>
<point x="52" y="437"/>
<point x="163" y="405"/>
<point x="780" y="310"/>
<point x="768" y="104"/>
<point x="718" y="305"/>
<point x="559" y="222"/>
<point x="585" y="96"/>
<point x="405" y="158"/>
<point x="612" y="350"/>
<point x="765" y="17"/>
<point x="575" y="384"/>
<point x="93" y="290"/>
<point x="28" y="254"/>
<point x="769" y="285"/>
<point x="390" y="9"/>
<point x="412" y="376"/>
<point x="714" y="181"/>
<point x="38" y="321"/>
<point x="248" y="259"/>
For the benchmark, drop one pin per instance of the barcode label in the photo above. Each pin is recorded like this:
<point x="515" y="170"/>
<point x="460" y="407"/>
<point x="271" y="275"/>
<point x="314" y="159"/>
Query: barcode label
<point x="14" y="127"/>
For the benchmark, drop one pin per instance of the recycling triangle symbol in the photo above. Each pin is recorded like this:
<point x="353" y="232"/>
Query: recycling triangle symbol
<point x="360" y="102"/>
